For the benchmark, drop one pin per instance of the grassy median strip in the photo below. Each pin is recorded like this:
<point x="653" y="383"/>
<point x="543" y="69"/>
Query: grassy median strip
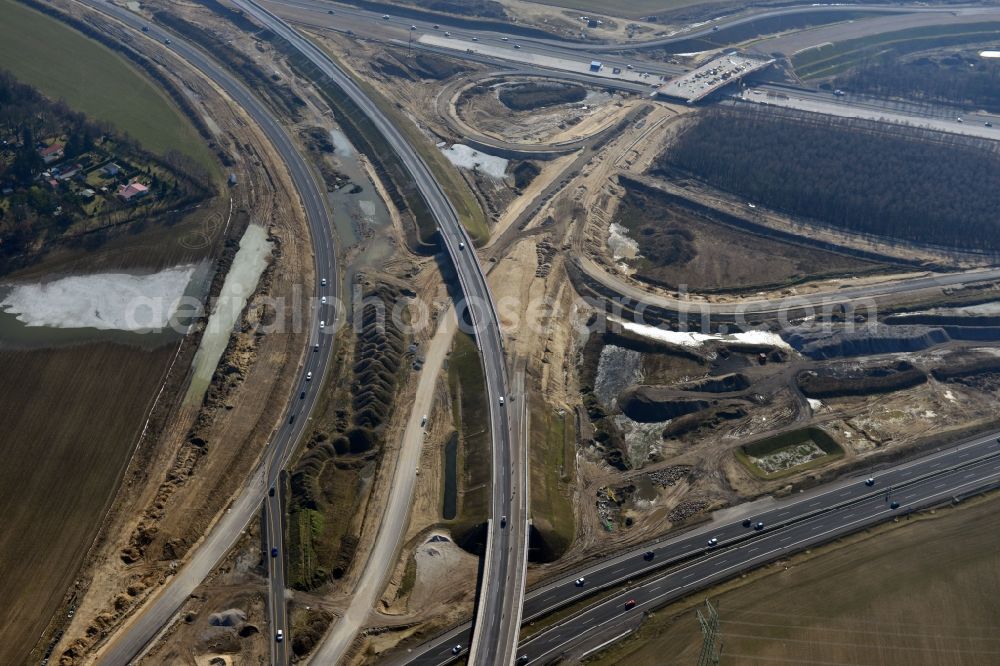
<point x="472" y="419"/>
<point x="470" y="213"/>
<point x="552" y="464"/>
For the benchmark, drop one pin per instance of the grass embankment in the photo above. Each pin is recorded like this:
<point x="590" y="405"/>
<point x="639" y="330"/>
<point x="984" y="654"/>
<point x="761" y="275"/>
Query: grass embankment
<point x="64" y="64"/>
<point x="880" y="597"/>
<point x="470" y="213"/>
<point x="472" y="421"/>
<point x="787" y="442"/>
<point x="69" y="418"/>
<point x="837" y="58"/>
<point x="552" y="464"/>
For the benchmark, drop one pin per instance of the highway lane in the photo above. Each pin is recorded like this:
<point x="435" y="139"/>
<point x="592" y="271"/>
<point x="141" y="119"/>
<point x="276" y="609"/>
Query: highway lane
<point x="781" y="306"/>
<point x="938" y="119"/>
<point x="834" y="507"/>
<point x="499" y="601"/>
<point x="603" y="620"/>
<point x="566" y="61"/>
<point x="513" y="50"/>
<point x="157" y="613"/>
<point x="277" y="609"/>
<point x="352" y="17"/>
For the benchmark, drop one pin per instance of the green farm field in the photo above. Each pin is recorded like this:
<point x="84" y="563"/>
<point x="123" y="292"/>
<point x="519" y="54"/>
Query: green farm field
<point x="62" y="63"/>
<point x="924" y="594"/>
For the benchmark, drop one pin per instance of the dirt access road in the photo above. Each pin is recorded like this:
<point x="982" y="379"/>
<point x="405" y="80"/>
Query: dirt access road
<point x="396" y="514"/>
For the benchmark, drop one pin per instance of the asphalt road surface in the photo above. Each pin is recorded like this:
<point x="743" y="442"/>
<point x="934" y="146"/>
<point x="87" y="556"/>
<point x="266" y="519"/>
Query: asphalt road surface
<point x="157" y="613"/>
<point x="347" y="17"/>
<point x="499" y="600"/>
<point x="784" y="306"/>
<point x="684" y="563"/>
<point x="570" y="61"/>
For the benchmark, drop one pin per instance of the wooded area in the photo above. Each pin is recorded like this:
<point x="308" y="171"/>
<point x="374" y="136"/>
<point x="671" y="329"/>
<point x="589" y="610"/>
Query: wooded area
<point x="962" y="79"/>
<point x="865" y="177"/>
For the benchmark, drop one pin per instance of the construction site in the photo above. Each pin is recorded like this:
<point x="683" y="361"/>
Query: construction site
<point x="657" y="390"/>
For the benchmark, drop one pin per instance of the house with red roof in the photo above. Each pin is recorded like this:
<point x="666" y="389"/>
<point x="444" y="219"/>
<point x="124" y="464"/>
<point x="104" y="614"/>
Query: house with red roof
<point x="133" y="190"/>
<point x="51" y="153"/>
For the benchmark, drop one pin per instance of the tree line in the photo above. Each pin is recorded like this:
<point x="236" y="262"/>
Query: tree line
<point x="949" y="80"/>
<point x="861" y="176"/>
<point x="27" y="116"/>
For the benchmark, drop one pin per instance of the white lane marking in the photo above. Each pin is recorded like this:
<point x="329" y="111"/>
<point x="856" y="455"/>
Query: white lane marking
<point x="657" y="600"/>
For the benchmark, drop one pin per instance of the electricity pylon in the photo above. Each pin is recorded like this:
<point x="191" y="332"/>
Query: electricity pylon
<point x="711" y="644"/>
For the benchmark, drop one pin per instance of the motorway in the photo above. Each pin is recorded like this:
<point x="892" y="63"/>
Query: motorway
<point x="492" y="47"/>
<point x="683" y="563"/>
<point x="570" y="61"/>
<point x="346" y="17"/>
<point x="157" y="613"/>
<point x="862" y="296"/>
<point x="498" y="607"/>
<point x="499" y="603"/>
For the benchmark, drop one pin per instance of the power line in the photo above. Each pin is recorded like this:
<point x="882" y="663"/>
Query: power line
<point x="711" y="644"/>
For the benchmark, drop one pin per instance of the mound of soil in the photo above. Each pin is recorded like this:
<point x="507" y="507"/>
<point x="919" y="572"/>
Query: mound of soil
<point x="724" y="384"/>
<point x="704" y="419"/>
<point x="867" y="381"/>
<point x="983" y="374"/>
<point x="870" y="340"/>
<point x="227" y="618"/>
<point x="651" y="404"/>
<point x="307" y="634"/>
<point x="524" y="173"/>
<point x="540" y="94"/>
